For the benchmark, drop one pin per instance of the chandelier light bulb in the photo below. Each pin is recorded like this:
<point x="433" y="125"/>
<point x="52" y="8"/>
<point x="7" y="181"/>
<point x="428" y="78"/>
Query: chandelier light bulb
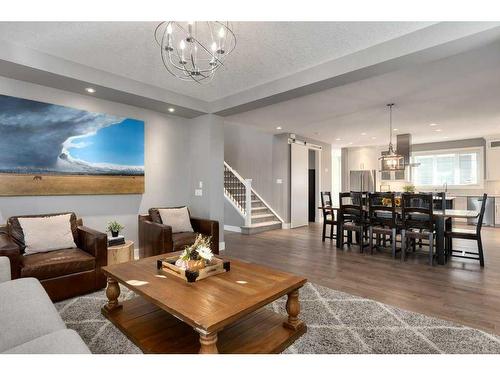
<point x="213" y="47"/>
<point x="169" y="29"/>
<point x="182" y="45"/>
<point x="221" y="33"/>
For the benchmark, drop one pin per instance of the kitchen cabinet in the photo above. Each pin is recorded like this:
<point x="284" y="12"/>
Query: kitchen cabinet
<point x="460" y="204"/>
<point x="497" y="212"/>
<point x="493" y="160"/>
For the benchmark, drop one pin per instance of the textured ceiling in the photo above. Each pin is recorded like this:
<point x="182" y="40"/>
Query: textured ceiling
<point x="265" y="50"/>
<point x="461" y="94"/>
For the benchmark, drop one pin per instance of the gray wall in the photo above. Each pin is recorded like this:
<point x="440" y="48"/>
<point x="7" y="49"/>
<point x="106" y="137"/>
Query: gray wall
<point x="206" y="149"/>
<point x="167" y="163"/>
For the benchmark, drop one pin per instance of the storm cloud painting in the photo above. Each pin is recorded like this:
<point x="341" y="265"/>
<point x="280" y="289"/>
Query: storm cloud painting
<point x="43" y="138"/>
<point x="47" y="140"/>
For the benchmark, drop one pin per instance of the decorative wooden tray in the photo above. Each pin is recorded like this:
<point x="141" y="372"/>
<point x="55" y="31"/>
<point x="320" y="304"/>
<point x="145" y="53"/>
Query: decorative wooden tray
<point x="216" y="267"/>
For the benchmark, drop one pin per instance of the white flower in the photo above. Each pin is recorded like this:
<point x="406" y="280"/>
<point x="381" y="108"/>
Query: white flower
<point x="205" y="253"/>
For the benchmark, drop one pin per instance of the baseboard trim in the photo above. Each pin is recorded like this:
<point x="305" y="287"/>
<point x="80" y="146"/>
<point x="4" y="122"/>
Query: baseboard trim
<point x="222" y="245"/>
<point x="232" y="228"/>
<point x="286" y="225"/>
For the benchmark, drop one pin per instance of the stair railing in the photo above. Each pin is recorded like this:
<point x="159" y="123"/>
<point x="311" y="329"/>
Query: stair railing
<point x="238" y="192"/>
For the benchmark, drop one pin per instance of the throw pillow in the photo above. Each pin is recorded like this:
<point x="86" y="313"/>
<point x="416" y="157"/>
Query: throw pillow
<point x="177" y="218"/>
<point x="49" y="233"/>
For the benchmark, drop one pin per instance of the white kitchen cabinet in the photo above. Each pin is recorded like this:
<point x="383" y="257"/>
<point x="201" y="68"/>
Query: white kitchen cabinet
<point x="460" y="203"/>
<point x="493" y="160"/>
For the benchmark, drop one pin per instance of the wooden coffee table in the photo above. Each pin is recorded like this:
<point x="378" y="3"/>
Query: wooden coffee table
<point x="220" y="314"/>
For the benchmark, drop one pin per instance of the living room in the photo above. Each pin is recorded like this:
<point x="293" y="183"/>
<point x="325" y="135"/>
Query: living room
<point x="288" y="183"/>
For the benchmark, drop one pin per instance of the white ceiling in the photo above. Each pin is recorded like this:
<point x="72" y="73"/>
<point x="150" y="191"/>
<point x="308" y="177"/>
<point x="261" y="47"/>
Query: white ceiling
<point x="265" y="50"/>
<point x="460" y="93"/>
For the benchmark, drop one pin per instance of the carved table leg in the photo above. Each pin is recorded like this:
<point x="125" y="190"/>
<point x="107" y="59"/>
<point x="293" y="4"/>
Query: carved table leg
<point x="112" y="292"/>
<point x="208" y="343"/>
<point x="293" y="310"/>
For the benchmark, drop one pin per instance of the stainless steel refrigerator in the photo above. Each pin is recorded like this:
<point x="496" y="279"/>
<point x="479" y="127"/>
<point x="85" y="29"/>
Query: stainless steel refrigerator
<point x="363" y="180"/>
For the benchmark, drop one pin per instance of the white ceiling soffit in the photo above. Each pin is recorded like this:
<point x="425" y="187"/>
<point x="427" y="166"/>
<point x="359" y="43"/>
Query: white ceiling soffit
<point x="396" y="45"/>
<point x="453" y="98"/>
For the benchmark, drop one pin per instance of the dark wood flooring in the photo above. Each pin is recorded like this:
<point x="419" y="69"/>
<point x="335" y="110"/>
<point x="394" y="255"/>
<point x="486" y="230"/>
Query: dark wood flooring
<point x="460" y="291"/>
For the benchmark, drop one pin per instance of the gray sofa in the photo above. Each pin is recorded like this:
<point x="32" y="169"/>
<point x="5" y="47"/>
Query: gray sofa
<point x="30" y="322"/>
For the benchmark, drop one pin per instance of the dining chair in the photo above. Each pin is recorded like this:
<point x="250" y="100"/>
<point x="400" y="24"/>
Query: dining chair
<point x="438" y="203"/>
<point x="467" y="234"/>
<point x="383" y="219"/>
<point x="351" y="218"/>
<point x="417" y="222"/>
<point x="328" y="215"/>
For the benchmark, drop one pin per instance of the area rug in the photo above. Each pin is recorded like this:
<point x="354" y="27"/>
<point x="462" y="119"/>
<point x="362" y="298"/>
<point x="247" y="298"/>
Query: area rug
<point x="338" y="323"/>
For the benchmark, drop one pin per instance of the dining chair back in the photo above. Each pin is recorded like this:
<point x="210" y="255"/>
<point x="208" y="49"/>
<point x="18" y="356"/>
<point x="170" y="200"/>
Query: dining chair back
<point x="328" y="215"/>
<point x="351" y="206"/>
<point x="480" y="219"/>
<point x="417" y="211"/>
<point x="382" y="209"/>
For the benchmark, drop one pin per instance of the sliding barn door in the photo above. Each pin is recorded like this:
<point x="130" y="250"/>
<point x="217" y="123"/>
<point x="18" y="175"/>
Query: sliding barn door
<point x="299" y="185"/>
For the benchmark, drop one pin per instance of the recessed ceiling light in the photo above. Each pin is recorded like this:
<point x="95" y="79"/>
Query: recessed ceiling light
<point x="338" y="139"/>
<point x="90" y="90"/>
<point x="446" y="137"/>
<point x="350" y="143"/>
<point x="395" y="130"/>
<point x="171" y="109"/>
<point x="432" y="124"/>
<point x="363" y="133"/>
<point x="374" y="137"/>
<point x="437" y="130"/>
<point x="279" y="128"/>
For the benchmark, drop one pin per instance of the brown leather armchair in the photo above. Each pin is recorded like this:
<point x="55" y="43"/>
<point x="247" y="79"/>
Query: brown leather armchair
<point x="63" y="273"/>
<point x="157" y="238"/>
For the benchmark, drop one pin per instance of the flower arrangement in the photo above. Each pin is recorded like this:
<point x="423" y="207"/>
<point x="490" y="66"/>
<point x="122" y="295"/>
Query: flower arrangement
<point x="114" y="227"/>
<point x="196" y="256"/>
<point x="387" y="201"/>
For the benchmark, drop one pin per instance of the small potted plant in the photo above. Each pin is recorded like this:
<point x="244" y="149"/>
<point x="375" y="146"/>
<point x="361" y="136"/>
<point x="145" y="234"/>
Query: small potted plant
<point x="409" y="188"/>
<point x="114" y="227"/>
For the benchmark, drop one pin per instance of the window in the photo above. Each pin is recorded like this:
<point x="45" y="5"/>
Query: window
<point x="453" y="167"/>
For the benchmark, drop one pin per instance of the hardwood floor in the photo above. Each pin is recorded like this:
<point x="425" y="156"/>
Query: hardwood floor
<point x="460" y="291"/>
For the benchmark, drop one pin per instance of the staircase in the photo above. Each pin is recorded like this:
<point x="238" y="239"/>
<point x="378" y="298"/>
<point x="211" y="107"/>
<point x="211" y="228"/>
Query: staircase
<point x="257" y="214"/>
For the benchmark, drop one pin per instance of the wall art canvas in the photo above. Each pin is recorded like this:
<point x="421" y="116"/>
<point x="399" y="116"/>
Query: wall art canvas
<point x="48" y="149"/>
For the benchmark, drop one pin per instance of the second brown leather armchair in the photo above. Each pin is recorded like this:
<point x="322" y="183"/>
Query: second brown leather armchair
<point x="156" y="238"/>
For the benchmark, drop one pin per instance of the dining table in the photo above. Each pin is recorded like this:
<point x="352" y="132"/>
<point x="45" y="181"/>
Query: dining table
<point x="441" y="218"/>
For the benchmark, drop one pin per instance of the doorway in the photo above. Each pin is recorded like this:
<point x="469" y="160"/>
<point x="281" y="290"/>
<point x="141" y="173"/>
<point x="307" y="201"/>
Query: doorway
<point x="305" y="180"/>
<point x="312" y="186"/>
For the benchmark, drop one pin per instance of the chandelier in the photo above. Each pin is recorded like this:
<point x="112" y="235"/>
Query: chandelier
<point x="194" y="51"/>
<point x="390" y="160"/>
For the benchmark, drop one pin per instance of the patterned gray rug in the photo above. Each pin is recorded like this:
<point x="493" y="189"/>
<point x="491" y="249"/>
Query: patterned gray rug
<point x="337" y="323"/>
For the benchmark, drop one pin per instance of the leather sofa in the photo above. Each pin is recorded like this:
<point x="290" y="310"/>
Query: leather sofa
<point x="156" y="238"/>
<point x="30" y="323"/>
<point x="63" y="273"/>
